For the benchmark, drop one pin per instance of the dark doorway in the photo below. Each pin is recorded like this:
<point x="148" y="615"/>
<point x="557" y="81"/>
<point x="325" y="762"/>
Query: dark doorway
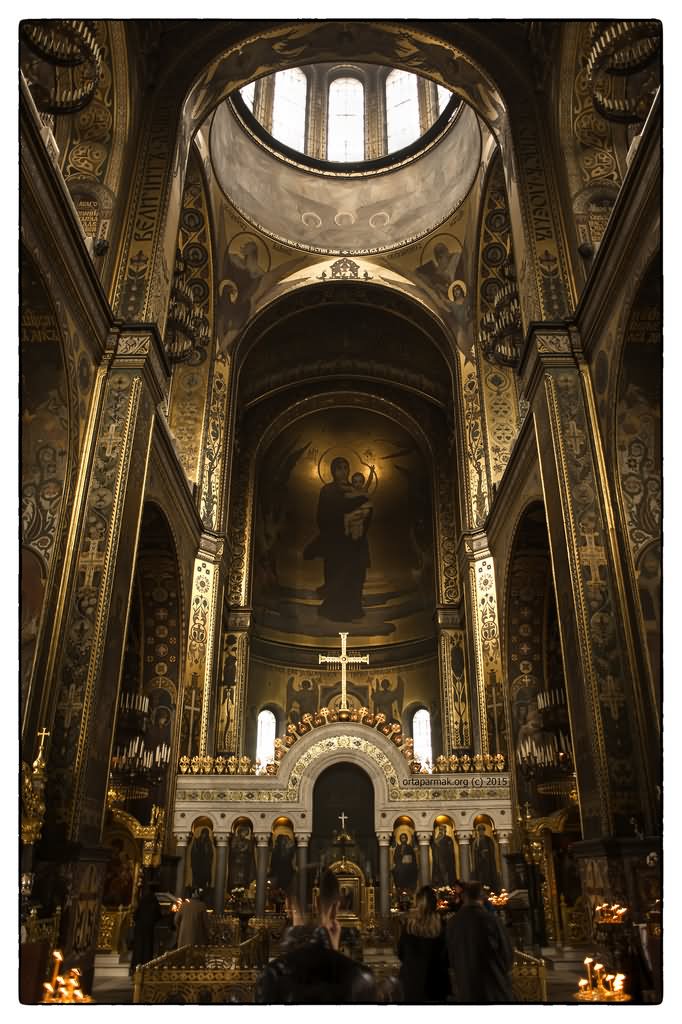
<point x="344" y="789"/>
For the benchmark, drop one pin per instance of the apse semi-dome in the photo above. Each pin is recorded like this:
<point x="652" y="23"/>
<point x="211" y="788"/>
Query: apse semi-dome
<point x="396" y="156"/>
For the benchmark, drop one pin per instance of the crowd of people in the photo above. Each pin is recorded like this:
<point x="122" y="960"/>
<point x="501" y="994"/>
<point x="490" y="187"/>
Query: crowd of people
<point x="464" y="956"/>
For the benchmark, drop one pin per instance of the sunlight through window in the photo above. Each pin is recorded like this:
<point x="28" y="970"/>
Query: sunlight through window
<point x="265" y="741"/>
<point x="288" y="108"/>
<point x="421" y="734"/>
<point x="402" y="110"/>
<point x="346" y="122"/>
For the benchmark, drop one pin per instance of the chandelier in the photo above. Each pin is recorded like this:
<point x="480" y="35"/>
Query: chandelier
<point x="501" y="323"/>
<point x="187" y="324"/>
<point x="622" y="50"/>
<point x="71" y="48"/>
<point x="135" y="767"/>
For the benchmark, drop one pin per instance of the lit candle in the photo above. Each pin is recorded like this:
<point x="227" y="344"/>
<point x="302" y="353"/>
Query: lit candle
<point x="57" y="960"/>
<point x="588" y="961"/>
<point x="609" y="982"/>
<point x="582" y="985"/>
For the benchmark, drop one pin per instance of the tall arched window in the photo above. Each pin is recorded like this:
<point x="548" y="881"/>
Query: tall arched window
<point x="288" y="108"/>
<point x="421" y="734"/>
<point x="265" y="738"/>
<point x="444" y="97"/>
<point x="346" y="120"/>
<point x="402" y="110"/>
<point x="248" y="93"/>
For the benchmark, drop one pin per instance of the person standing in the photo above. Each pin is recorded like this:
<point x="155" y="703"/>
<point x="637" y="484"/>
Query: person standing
<point x="310" y="968"/>
<point x="144" y="921"/>
<point x="479" y="951"/>
<point x="423" y="953"/>
<point x="192" y="922"/>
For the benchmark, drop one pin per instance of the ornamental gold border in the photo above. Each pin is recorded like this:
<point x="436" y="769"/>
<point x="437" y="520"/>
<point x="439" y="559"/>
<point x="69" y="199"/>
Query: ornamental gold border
<point x="104" y="595"/>
<point x="596" y="732"/>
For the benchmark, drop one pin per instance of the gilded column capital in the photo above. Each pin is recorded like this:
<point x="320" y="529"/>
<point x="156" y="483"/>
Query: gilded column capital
<point x="303" y="838"/>
<point x="262" y="838"/>
<point x="423" y="838"/>
<point x="449" y="617"/>
<point x="239" y="620"/>
<point x="222" y="838"/>
<point x="211" y="547"/>
<point x="548" y="345"/>
<point x="384" y="838"/>
<point x="139" y="346"/>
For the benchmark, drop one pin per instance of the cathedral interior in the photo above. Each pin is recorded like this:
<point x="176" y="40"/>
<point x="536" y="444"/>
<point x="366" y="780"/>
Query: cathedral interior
<point x="341" y="471"/>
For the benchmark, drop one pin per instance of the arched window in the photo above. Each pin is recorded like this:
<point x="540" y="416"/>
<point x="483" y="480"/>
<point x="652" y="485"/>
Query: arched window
<point x="421" y="734"/>
<point x="288" y="108"/>
<point x="346" y="120"/>
<point x="248" y="93"/>
<point x="402" y="110"/>
<point x="444" y="97"/>
<point x="265" y="738"/>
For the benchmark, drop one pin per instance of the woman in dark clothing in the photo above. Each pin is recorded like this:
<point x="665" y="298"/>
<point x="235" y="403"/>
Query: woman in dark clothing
<point x="423" y="953"/>
<point x="147" y="914"/>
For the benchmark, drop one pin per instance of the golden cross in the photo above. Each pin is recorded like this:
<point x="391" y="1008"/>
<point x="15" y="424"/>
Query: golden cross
<point x="92" y="560"/>
<point x="111" y="440"/>
<point x="42" y="736"/>
<point x="343" y="818"/>
<point x="343" y="660"/>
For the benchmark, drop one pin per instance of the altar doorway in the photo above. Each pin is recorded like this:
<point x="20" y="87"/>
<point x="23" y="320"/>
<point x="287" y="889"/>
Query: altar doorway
<point x="344" y="790"/>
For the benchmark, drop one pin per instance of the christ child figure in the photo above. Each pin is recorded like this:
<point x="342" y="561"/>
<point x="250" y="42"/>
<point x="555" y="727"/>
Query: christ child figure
<point x="354" y="522"/>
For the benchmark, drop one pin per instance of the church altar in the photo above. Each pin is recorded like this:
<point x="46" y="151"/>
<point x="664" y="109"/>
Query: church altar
<point x="227" y="800"/>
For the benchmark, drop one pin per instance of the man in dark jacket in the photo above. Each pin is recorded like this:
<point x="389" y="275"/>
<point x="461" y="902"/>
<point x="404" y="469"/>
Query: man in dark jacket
<point x="145" y="918"/>
<point x="310" y="968"/>
<point x="480" y="953"/>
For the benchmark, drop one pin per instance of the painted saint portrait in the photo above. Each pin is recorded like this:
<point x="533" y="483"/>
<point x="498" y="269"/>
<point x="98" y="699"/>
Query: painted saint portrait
<point x="443" y="865"/>
<point x="343" y="531"/>
<point x="344" y="513"/>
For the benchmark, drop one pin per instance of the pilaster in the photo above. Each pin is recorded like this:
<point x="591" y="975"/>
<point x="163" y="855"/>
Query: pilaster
<point x="609" y="724"/>
<point x="203" y="624"/>
<point x="96" y="610"/>
<point x="478" y="566"/>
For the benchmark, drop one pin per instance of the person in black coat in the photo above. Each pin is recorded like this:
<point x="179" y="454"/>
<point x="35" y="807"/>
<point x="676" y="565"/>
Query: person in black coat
<point x="147" y="914"/>
<point x="480" y="953"/>
<point x="310" y="968"/>
<point x="423" y="953"/>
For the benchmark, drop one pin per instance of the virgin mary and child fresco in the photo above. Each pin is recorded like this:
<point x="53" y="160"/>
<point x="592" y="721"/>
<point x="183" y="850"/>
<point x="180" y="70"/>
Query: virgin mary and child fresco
<point x="344" y="513"/>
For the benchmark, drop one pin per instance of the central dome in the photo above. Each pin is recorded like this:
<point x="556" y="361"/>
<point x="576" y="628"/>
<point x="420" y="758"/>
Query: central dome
<point x="353" y="115"/>
<point x="348" y="159"/>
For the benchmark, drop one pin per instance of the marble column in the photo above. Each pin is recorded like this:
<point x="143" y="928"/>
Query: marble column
<point x="424" y="840"/>
<point x="302" y="840"/>
<point x="464" y="868"/>
<point x="384" y="878"/>
<point x="181" y="850"/>
<point x="262" y="843"/>
<point x="223" y="841"/>
<point x="505" y="848"/>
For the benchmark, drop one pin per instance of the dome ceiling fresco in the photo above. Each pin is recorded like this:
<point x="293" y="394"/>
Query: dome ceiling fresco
<point x="337" y="213"/>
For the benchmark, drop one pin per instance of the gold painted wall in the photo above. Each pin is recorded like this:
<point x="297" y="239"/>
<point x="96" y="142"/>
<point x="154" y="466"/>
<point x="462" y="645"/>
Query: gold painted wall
<point x="294" y="692"/>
